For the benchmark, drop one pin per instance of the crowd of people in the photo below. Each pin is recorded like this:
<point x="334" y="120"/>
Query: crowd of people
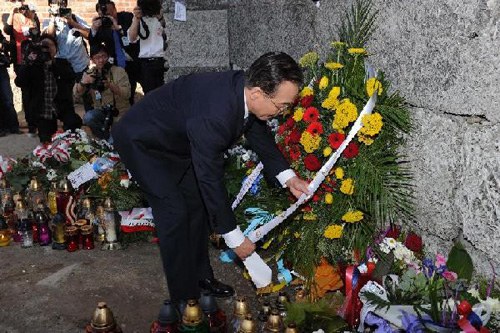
<point x="64" y="60"/>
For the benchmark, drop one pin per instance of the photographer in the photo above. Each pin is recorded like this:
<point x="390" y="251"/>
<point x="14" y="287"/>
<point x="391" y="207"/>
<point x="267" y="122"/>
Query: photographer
<point x="8" y="116"/>
<point x="70" y="31"/>
<point x="48" y="81"/>
<point x="110" y="28"/>
<point x="110" y="89"/>
<point x="148" y="25"/>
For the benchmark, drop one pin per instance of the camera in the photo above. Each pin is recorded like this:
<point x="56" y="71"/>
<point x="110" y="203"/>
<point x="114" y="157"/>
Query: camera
<point x="149" y="7"/>
<point x="99" y="78"/>
<point x="58" y="8"/>
<point x="103" y="9"/>
<point x="41" y="52"/>
<point x="108" y="110"/>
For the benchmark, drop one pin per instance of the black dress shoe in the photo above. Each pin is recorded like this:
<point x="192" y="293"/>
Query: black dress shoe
<point x="216" y="288"/>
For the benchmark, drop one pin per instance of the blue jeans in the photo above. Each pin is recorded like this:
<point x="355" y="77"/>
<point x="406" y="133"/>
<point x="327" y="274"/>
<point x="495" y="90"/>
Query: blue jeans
<point x="95" y="119"/>
<point x="8" y="115"/>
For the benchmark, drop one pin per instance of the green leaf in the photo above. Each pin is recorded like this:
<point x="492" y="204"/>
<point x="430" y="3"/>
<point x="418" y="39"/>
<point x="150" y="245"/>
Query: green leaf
<point x="460" y="262"/>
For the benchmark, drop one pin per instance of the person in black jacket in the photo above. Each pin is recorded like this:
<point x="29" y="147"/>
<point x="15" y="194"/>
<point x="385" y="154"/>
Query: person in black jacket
<point x="173" y="143"/>
<point x="48" y="82"/>
<point x="110" y="28"/>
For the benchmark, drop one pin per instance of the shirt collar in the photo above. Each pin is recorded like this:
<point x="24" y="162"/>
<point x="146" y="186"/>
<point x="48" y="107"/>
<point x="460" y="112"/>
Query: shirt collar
<point x="246" y="106"/>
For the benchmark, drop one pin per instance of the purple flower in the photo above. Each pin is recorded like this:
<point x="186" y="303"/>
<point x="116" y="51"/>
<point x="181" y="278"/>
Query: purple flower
<point x="428" y="267"/>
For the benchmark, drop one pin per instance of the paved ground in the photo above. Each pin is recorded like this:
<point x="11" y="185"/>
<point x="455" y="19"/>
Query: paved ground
<point x="44" y="290"/>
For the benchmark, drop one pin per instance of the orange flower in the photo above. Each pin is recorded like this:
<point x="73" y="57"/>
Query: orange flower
<point x="104" y="180"/>
<point x="326" y="278"/>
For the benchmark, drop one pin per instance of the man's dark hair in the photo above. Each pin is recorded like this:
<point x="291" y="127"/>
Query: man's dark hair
<point x="96" y="48"/>
<point x="52" y="38"/>
<point x="271" y="69"/>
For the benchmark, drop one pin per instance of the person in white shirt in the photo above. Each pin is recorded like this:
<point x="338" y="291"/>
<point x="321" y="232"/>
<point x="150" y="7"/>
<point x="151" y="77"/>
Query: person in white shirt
<point x="148" y="28"/>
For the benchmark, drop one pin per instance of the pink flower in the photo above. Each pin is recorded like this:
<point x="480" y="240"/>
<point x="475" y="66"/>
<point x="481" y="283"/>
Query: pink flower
<point x="450" y="276"/>
<point x="440" y="260"/>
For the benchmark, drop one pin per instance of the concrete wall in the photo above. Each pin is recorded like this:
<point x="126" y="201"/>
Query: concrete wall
<point x="442" y="55"/>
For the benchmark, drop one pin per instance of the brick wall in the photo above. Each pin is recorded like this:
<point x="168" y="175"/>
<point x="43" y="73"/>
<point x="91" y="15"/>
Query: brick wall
<point x="83" y="8"/>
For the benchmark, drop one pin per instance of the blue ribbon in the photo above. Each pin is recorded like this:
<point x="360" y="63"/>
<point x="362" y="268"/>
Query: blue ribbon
<point x="411" y="323"/>
<point x="258" y="218"/>
<point x="283" y="273"/>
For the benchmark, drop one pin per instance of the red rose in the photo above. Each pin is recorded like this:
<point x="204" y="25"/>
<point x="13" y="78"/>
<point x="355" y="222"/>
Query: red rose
<point x="281" y="129"/>
<point x="315" y="128"/>
<point x="306" y="101"/>
<point x="393" y="232"/>
<point x="311" y="114"/>
<point x="464" y="308"/>
<point x="316" y="198"/>
<point x="294" y="153"/>
<point x="414" y="242"/>
<point x="335" y="140"/>
<point x="351" y="150"/>
<point x="312" y="163"/>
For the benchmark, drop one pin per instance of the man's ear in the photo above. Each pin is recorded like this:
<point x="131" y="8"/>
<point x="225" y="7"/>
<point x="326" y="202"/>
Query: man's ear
<point x="255" y="92"/>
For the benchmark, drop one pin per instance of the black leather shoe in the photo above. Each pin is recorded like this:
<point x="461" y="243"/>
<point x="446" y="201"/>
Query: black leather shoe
<point x="216" y="288"/>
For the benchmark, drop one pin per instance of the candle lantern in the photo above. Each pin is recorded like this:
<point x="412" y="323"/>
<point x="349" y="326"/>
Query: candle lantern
<point x="192" y="319"/>
<point x="4" y="232"/>
<point x="216" y="318"/>
<point x="87" y="235"/>
<point x="35" y="194"/>
<point x="241" y="309"/>
<point x="8" y="207"/>
<point x="65" y="202"/>
<point x="281" y="303"/>
<point x="274" y="322"/>
<point x="26" y="233"/>
<point x="42" y="225"/>
<point x="57" y="227"/>
<point x="84" y="211"/>
<point x="99" y="222"/>
<point x="110" y="227"/>
<point x="248" y="325"/>
<point x="264" y="314"/>
<point x="72" y="238"/>
<point x="51" y="198"/>
<point x="291" y="328"/>
<point x="103" y="321"/>
<point x="168" y="319"/>
<point x="4" y="189"/>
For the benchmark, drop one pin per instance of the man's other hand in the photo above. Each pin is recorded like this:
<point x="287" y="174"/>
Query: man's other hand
<point x="245" y="249"/>
<point x="297" y="186"/>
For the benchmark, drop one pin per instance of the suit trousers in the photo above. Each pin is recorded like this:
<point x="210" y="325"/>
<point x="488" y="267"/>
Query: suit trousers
<point x="182" y="227"/>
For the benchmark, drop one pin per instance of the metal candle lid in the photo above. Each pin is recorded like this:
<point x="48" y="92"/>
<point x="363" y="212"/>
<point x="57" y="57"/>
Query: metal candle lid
<point x="291" y="328"/>
<point x="274" y="322"/>
<point x="34" y="184"/>
<point x="108" y="204"/>
<point x="192" y="314"/>
<point x="241" y="307"/>
<point x="248" y="325"/>
<point x="103" y="319"/>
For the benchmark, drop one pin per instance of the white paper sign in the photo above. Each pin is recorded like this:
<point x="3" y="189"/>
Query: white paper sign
<point x="82" y="175"/>
<point x="180" y="11"/>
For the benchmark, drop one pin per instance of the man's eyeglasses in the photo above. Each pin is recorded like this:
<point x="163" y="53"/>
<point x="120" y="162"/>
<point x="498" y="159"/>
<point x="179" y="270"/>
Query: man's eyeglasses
<point x="281" y="109"/>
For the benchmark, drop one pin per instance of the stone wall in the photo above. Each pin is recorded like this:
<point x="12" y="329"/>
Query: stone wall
<point x="443" y="56"/>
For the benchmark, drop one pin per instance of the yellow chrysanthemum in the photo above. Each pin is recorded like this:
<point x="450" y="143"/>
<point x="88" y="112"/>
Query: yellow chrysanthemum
<point x="345" y="114"/>
<point x="309" y="59"/>
<point x="327" y="151"/>
<point x="296" y="234"/>
<point x="310" y="216"/>
<point x="333" y="231"/>
<point x="352" y="216"/>
<point x="309" y="141"/>
<point x="323" y="83"/>
<point x="306" y="91"/>
<point x="347" y="186"/>
<point x="331" y="102"/>
<point x="367" y="140"/>
<point x="372" y="84"/>
<point x="356" y="50"/>
<point x="338" y="44"/>
<point x="372" y="124"/>
<point x="328" y="198"/>
<point x="334" y="93"/>
<point x="339" y="173"/>
<point x="298" y="114"/>
<point x="334" y="65"/>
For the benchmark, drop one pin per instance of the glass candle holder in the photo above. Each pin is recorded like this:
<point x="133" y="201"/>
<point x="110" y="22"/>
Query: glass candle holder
<point x="72" y="238"/>
<point x="79" y="224"/>
<point x="44" y="237"/>
<point x="57" y="227"/>
<point x="87" y="235"/>
<point x="26" y="233"/>
<point x="51" y="198"/>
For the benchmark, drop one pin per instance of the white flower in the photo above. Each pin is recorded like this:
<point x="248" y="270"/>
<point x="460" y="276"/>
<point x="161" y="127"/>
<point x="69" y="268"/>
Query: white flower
<point x="319" y="331"/>
<point x="125" y="182"/>
<point x="384" y="248"/>
<point x="494" y="304"/>
<point x="37" y="164"/>
<point x="51" y="174"/>
<point x="390" y="242"/>
<point x="246" y="156"/>
<point x="474" y="292"/>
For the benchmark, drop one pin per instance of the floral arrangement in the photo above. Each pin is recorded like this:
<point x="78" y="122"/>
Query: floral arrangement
<point x="67" y="152"/>
<point x="370" y="184"/>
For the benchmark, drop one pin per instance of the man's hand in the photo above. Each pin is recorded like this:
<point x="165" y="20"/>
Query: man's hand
<point x="297" y="186"/>
<point x="96" y="23"/>
<point x="137" y="12"/>
<point x="245" y="249"/>
<point x="87" y="78"/>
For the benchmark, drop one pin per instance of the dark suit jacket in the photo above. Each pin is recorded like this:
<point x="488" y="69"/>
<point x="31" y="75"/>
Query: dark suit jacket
<point x="193" y="120"/>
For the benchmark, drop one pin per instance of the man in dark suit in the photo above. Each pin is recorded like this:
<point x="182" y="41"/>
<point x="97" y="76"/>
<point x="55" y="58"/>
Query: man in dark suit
<point x="173" y="142"/>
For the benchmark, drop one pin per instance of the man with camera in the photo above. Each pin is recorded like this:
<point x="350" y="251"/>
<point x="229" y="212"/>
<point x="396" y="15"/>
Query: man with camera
<point x="110" y="89"/>
<point x="69" y="30"/>
<point x="110" y="27"/>
<point x="148" y="26"/>
<point x="48" y="83"/>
